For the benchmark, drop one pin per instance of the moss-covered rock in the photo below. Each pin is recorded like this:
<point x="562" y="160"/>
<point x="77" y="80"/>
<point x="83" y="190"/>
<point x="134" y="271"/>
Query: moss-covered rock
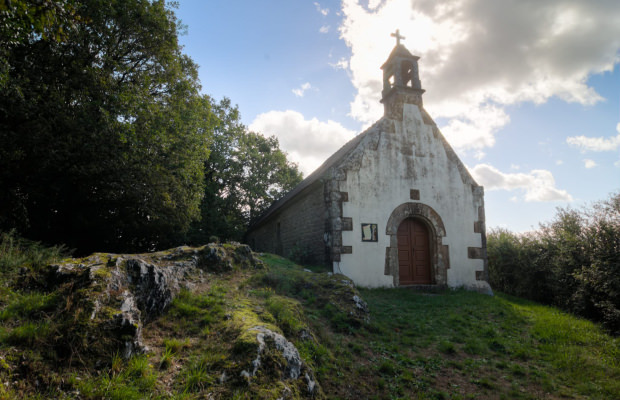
<point x="223" y="258"/>
<point x="268" y="359"/>
<point x="107" y="298"/>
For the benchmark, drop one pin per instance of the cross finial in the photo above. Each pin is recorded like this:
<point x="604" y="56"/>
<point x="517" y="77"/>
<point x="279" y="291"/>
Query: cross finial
<point x="397" y="36"/>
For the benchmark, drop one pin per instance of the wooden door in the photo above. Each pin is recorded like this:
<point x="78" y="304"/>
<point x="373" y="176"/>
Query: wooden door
<point x="414" y="259"/>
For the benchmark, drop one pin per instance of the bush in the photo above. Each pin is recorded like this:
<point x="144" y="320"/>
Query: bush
<point x="572" y="262"/>
<point x="598" y="280"/>
<point x="513" y="266"/>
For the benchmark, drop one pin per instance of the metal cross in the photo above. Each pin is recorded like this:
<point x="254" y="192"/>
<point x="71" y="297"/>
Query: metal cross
<point x="397" y="36"/>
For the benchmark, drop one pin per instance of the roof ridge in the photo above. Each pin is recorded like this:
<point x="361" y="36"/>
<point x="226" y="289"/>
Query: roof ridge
<point x="317" y="173"/>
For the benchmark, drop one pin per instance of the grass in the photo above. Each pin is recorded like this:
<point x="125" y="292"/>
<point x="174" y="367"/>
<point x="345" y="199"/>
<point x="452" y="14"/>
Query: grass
<point x="195" y="312"/>
<point x="197" y="377"/>
<point x="492" y="346"/>
<point x="451" y="345"/>
<point x="134" y="379"/>
<point x="16" y="252"/>
<point x="28" y="305"/>
<point x="175" y="345"/>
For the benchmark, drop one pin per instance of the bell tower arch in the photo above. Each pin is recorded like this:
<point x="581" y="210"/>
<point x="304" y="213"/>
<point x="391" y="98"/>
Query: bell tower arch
<point x="401" y="79"/>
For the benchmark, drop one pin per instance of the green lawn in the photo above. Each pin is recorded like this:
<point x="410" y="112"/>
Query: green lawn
<point x="466" y="345"/>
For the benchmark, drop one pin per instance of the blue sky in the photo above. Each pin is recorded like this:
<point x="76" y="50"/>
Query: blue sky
<point x="527" y="92"/>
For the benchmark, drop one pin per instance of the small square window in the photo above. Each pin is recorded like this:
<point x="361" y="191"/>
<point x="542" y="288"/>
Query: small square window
<point x="369" y="232"/>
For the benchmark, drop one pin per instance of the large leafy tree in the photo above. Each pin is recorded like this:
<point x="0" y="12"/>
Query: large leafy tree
<point x="22" y="20"/>
<point x="245" y="173"/>
<point x="103" y="132"/>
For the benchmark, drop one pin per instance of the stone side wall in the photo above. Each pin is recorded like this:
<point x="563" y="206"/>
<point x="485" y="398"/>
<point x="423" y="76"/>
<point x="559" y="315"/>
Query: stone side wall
<point x="336" y="222"/>
<point x="298" y="226"/>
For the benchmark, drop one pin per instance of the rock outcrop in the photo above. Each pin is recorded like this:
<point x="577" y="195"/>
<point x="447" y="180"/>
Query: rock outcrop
<point x="110" y="301"/>
<point x="125" y="291"/>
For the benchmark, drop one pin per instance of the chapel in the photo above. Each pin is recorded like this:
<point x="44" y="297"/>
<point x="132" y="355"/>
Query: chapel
<point x="393" y="207"/>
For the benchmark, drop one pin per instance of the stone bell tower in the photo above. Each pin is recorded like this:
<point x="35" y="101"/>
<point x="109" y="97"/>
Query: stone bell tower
<point x="401" y="80"/>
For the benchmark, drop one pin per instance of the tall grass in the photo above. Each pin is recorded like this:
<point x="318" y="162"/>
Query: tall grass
<point x="24" y="313"/>
<point x="16" y="251"/>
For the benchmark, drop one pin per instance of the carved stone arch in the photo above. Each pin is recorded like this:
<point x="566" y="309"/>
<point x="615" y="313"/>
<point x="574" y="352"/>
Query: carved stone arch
<point x="440" y="259"/>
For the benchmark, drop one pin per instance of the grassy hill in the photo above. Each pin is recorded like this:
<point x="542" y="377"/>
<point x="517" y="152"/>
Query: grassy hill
<point x="206" y="342"/>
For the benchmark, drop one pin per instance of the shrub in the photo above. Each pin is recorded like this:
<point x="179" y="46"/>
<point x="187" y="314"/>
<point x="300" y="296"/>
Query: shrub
<point x="597" y="291"/>
<point x="572" y="262"/>
<point x="513" y="266"/>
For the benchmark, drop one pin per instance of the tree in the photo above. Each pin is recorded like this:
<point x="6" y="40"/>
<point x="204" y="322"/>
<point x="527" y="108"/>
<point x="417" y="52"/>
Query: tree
<point x="219" y="211"/>
<point x="245" y="173"/>
<point x="104" y="132"/>
<point x="21" y="20"/>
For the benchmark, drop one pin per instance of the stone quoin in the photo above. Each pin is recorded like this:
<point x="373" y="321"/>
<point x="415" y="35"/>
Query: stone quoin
<point x="393" y="207"/>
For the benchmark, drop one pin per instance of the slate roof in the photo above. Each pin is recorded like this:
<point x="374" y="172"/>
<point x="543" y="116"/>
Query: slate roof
<point x="315" y="176"/>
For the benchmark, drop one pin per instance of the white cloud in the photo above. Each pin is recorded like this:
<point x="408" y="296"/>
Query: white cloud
<point x="476" y="129"/>
<point x="480" y="56"/>
<point x="596" y="144"/>
<point x="299" y="92"/>
<point x="538" y="184"/>
<point x="589" y="163"/>
<point x="559" y="162"/>
<point x="324" y="29"/>
<point x="307" y="142"/>
<point x="343" y="63"/>
<point x="323" y="11"/>
<point x="372" y="4"/>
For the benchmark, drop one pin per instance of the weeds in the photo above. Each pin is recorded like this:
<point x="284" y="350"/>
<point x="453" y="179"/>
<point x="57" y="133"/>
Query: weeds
<point x="16" y="252"/>
<point x="197" y="377"/>
<point x="28" y="334"/>
<point x="29" y="305"/>
<point x="166" y="359"/>
<point x="446" y="347"/>
<point x="133" y="379"/>
<point x="174" y="345"/>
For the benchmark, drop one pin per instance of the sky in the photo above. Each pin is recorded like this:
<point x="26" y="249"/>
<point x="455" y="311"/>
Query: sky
<point x="527" y="92"/>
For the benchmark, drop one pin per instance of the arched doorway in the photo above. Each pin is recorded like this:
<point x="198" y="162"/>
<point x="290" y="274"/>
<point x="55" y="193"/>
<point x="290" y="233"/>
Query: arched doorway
<point x="439" y="255"/>
<point x="414" y="257"/>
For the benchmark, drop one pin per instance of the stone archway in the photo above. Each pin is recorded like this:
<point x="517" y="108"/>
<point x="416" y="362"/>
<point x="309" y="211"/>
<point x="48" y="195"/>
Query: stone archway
<point x="439" y="257"/>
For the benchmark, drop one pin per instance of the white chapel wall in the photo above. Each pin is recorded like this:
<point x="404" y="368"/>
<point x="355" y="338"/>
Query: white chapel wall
<point x="409" y="158"/>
